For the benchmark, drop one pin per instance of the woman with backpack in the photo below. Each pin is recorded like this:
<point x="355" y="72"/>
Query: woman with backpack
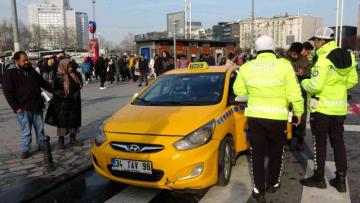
<point x="86" y="69"/>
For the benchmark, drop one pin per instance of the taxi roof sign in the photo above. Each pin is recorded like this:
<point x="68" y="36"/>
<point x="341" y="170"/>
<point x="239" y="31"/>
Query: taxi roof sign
<point x="198" y="66"/>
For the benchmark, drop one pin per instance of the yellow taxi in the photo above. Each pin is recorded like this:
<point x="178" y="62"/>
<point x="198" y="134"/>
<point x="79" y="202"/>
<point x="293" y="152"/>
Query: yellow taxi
<point x="183" y="131"/>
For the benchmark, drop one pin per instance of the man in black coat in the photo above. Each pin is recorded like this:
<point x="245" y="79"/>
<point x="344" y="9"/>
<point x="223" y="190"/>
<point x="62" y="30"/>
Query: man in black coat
<point x="144" y="69"/>
<point x="21" y="86"/>
<point x="101" y="68"/>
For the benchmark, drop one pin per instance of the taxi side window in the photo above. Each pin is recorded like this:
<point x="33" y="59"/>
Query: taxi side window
<point x="231" y="94"/>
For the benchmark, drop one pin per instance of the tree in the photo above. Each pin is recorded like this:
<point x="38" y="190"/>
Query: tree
<point x="128" y="43"/>
<point x="25" y="36"/>
<point x="6" y="36"/>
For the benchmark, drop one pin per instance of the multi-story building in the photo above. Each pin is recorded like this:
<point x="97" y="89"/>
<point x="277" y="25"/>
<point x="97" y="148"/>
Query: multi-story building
<point x="283" y="29"/>
<point x="61" y="26"/>
<point x="226" y="30"/>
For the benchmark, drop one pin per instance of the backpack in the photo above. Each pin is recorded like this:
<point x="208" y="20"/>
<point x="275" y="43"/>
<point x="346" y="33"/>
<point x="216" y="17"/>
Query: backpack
<point x="85" y="67"/>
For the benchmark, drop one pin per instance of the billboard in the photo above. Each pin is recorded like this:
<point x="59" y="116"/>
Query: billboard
<point x="93" y="49"/>
<point x="179" y="19"/>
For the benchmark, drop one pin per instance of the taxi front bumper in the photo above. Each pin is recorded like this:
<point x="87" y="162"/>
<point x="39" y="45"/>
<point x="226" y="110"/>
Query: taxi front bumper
<point x="172" y="169"/>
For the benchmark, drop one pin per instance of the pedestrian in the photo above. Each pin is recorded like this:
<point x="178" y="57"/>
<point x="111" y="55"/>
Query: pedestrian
<point x="167" y="62"/>
<point x="239" y="61"/>
<point x="222" y="61"/>
<point x="124" y="70"/>
<point x="211" y="61"/>
<point x="131" y="66"/>
<point x="143" y="69"/>
<point x="100" y="66"/>
<point x="64" y="110"/>
<point x="111" y="70"/>
<point x="307" y="52"/>
<point x="86" y="68"/>
<point x="333" y="73"/>
<point x="21" y="86"/>
<point x="270" y="84"/>
<point x="117" y="66"/>
<point x="151" y="68"/>
<point x="230" y="61"/>
<point x="158" y="65"/>
<point x="301" y="67"/>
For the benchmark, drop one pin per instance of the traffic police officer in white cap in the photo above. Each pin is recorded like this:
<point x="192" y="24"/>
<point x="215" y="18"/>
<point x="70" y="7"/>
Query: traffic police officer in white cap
<point x="270" y="84"/>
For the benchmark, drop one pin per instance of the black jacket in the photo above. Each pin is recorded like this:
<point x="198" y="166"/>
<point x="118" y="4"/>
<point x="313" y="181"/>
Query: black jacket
<point x="143" y="66"/>
<point x="100" y="66"/>
<point x="22" y="88"/>
<point x="64" y="110"/>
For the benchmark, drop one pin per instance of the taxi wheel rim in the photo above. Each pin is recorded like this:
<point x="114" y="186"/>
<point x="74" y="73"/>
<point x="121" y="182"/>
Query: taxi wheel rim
<point x="227" y="160"/>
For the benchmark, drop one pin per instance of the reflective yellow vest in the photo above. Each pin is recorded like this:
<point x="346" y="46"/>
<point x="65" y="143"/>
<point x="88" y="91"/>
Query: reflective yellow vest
<point x="331" y="76"/>
<point x="270" y="85"/>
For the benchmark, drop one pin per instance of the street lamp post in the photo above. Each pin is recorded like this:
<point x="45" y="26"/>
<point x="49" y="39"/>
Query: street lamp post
<point x="337" y="21"/>
<point x="174" y="35"/>
<point x="93" y="7"/>
<point x="252" y="26"/>
<point x="15" y="26"/>
<point x="341" y="23"/>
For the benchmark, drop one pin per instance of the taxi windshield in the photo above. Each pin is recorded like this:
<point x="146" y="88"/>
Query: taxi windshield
<point x="184" y="90"/>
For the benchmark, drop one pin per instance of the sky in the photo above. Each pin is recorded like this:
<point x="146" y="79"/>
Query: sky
<point x="117" y="18"/>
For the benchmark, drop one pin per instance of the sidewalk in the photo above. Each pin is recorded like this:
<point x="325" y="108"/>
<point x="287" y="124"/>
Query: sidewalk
<point x="21" y="180"/>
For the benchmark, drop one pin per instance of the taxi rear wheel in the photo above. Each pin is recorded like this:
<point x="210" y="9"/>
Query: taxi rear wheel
<point x="225" y="160"/>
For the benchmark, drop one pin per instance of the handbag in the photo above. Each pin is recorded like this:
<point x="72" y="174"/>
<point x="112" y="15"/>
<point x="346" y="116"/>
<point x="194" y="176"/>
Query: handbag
<point x="51" y="114"/>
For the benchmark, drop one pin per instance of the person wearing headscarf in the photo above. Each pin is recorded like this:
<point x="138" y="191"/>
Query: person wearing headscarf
<point x="64" y="110"/>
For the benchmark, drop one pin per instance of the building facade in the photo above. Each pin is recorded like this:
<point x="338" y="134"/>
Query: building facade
<point x="283" y="29"/>
<point x="61" y="26"/>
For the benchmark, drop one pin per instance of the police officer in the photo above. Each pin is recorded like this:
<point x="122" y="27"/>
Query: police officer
<point x="270" y="85"/>
<point x="333" y="74"/>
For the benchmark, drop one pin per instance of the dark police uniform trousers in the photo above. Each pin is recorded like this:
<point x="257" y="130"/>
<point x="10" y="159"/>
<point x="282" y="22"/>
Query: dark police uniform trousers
<point x="333" y="126"/>
<point x="266" y="136"/>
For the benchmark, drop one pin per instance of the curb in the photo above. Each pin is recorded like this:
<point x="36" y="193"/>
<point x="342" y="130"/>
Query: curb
<point x="26" y="189"/>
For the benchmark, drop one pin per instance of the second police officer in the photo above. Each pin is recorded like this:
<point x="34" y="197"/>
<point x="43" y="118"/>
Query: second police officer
<point x="270" y="84"/>
<point x="334" y="72"/>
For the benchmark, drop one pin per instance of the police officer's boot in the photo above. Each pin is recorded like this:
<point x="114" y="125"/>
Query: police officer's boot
<point x="316" y="180"/>
<point x="339" y="182"/>
<point x="259" y="197"/>
<point x="74" y="142"/>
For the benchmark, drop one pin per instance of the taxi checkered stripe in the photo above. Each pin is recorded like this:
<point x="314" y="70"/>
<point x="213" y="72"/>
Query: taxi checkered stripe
<point x="227" y="114"/>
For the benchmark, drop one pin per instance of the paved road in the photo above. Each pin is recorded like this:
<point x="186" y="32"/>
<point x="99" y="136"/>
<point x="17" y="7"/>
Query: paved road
<point x="89" y="187"/>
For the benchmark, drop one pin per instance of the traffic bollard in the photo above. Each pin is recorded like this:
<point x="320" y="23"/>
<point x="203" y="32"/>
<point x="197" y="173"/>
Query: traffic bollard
<point x="48" y="160"/>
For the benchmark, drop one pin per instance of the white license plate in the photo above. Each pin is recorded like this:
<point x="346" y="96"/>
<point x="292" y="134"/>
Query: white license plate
<point x="131" y="166"/>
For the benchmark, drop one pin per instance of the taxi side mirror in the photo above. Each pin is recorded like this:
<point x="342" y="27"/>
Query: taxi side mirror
<point x="134" y="97"/>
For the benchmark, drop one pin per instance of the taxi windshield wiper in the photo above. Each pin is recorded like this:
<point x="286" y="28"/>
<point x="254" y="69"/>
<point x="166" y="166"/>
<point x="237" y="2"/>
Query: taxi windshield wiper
<point x="182" y="103"/>
<point x="146" y="102"/>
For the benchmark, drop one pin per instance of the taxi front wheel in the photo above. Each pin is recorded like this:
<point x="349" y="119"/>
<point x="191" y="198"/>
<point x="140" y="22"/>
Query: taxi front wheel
<point x="225" y="160"/>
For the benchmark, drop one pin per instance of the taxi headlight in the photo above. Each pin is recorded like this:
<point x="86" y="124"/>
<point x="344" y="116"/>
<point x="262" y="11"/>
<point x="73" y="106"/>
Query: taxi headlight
<point x="197" y="138"/>
<point x="100" y="137"/>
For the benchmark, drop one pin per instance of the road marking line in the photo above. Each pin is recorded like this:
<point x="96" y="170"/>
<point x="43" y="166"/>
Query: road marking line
<point x="347" y="128"/>
<point x="135" y="194"/>
<point x="328" y="195"/>
<point x="239" y="188"/>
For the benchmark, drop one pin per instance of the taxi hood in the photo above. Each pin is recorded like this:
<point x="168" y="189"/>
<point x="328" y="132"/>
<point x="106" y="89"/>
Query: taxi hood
<point x="160" y="120"/>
